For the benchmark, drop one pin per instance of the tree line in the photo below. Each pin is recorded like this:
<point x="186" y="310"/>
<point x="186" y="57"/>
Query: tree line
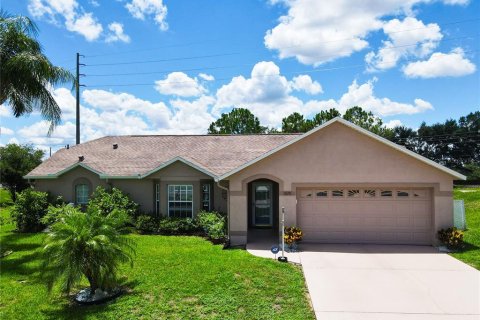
<point x="452" y="143"/>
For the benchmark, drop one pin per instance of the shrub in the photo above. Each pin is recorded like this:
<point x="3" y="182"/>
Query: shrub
<point x="105" y="202"/>
<point x="30" y="207"/>
<point x="213" y="225"/>
<point x="177" y="226"/>
<point x="54" y="213"/>
<point x="293" y="235"/>
<point x="146" y="224"/>
<point x="451" y="237"/>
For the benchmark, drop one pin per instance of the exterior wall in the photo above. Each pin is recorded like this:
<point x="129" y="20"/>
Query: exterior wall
<point x="339" y="155"/>
<point x="142" y="191"/>
<point x="65" y="185"/>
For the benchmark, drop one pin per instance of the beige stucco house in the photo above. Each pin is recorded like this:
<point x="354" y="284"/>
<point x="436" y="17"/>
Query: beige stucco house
<point x="338" y="182"/>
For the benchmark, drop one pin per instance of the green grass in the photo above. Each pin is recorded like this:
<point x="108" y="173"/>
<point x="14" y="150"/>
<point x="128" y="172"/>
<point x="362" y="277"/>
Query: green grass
<point x="5" y="198"/>
<point x="471" y="253"/>
<point x="173" y="278"/>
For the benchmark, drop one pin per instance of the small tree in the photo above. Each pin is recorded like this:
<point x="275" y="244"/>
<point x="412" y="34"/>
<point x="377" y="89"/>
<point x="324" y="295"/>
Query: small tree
<point x="29" y="209"/>
<point x="237" y="121"/>
<point x="86" y="244"/>
<point x="15" y="162"/>
<point x="104" y="202"/>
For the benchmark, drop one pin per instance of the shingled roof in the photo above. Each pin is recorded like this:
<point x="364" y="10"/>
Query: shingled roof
<point x="139" y="156"/>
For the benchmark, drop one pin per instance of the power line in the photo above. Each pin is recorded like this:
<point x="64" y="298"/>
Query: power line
<point x="237" y="66"/>
<point x="163" y="60"/>
<point x="285" y="47"/>
<point x="251" y="77"/>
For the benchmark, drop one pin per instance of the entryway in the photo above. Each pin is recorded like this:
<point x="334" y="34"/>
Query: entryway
<point x="263" y="204"/>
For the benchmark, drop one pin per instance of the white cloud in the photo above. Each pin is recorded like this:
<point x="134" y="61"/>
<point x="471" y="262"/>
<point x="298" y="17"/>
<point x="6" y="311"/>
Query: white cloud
<point x="206" y="77"/>
<point x="116" y="33"/>
<point x="456" y="2"/>
<point x="190" y="117"/>
<point x="86" y="25"/>
<point x="125" y="104"/>
<point x="5" y="111"/>
<point x="453" y="64"/>
<point x="180" y="84"/>
<point x="393" y="123"/>
<point x="315" y="32"/>
<point x="305" y="83"/>
<point x="13" y="141"/>
<point x="76" y="20"/>
<point x="268" y="95"/>
<point x="6" y="131"/>
<point x="265" y="93"/>
<point x="363" y="96"/>
<point x="410" y="37"/>
<point x="141" y="8"/>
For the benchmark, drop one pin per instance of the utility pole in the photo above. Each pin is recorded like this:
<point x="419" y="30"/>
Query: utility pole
<point x="77" y="89"/>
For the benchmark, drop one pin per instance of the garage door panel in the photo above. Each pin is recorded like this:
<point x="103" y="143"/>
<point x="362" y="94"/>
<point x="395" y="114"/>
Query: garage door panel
<point x="402" y="217"/>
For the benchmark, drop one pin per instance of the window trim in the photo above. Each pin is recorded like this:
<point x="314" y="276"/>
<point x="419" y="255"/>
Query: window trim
<point x="86" y="196"/>
<point x="210" y="195"/>
<point x="181" y="201"/>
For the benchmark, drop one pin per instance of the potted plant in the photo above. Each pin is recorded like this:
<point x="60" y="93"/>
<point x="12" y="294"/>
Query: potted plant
<point x="293" y="235"/>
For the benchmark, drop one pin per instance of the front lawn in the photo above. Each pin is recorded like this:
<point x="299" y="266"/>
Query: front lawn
<point x="173" y="278"/>
<point x="471" y="253"/>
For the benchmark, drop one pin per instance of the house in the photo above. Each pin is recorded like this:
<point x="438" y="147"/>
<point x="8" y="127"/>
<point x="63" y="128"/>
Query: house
<point x="338" y="182"/>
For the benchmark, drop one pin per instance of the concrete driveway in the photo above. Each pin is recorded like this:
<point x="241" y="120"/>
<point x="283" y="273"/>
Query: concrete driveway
<point x="389" y="282"/>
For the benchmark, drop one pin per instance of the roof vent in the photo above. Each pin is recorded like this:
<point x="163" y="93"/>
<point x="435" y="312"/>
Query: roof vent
<point x="67" y="146"/>
<point x="81" y="158"/>
<point x="115" y="146"/>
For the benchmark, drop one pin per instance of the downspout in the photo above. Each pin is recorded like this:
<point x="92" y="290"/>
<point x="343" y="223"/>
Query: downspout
<point x="228" y="207"/>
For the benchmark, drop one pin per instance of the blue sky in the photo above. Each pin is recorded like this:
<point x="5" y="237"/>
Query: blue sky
<point x="172" y="67"/>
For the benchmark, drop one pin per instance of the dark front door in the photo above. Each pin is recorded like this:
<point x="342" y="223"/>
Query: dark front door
<point x="262" y="207"/>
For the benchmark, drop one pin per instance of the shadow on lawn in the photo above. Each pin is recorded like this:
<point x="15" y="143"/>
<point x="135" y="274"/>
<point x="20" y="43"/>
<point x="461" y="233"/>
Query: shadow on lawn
<point x="25" y="256"/>
<point x="73" y="310"/>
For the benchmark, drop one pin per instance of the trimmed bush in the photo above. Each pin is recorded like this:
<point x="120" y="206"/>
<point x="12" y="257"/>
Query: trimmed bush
<point x="213" y="225"/>
<point x="178" y="226"/>
<point x="451" y="237"/>
<point x="30" y="207"/>
<point x="146" y="224"/>
<point x="105" y="202"/>
<point x="54" y="213"/>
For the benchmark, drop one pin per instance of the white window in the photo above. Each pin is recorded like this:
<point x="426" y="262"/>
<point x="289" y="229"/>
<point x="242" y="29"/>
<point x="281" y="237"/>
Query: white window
<point x="180" y="201"/>
<point x="81" y="193"/>
<point x="157" y="199"/>
<point x="206" y="197"/>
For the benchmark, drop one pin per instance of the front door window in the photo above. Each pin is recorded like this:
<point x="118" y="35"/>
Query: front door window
<point x="262" y="204"/>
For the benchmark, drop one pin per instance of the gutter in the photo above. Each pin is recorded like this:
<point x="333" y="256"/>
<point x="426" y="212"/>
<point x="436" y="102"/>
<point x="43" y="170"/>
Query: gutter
<point x="228" y="207"/>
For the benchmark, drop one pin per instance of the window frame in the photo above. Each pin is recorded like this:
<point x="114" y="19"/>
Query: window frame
<point x="179" y="201"/>
<point x="210" y="195"/>
<point x="85" y="196"/>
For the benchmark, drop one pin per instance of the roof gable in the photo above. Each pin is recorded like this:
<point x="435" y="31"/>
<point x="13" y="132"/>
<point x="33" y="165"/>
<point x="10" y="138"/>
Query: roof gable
<point x="362" y="131"/>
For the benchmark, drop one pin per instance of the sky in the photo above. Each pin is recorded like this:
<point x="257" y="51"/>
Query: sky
<point x="173" y="67"/>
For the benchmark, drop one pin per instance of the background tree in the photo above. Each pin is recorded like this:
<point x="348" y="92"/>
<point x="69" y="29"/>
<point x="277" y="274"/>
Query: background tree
<point x="367" y="120"/>
<point x="324" y="116"/>
<point x="26" y="73"/>
<point x="15" y="162"/>
<point x="237" y="121"/>
<point x="294" y="123"/>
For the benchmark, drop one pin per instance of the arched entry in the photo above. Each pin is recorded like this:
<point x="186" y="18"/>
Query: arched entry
<point x="263" y="204"/>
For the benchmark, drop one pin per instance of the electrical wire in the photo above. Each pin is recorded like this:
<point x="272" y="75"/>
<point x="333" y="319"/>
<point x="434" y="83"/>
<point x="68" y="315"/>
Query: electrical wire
<point x="285" y="47"/>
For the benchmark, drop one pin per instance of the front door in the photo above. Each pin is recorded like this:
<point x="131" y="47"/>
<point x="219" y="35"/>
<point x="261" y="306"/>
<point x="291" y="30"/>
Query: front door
<point x="262" y="204"/>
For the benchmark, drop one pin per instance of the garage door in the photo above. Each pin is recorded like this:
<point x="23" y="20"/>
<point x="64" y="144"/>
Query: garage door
<point x="365" y="215"/>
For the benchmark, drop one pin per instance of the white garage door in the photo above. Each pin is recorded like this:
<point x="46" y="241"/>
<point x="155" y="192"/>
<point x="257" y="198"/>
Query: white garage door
<point x="365" y="215"/>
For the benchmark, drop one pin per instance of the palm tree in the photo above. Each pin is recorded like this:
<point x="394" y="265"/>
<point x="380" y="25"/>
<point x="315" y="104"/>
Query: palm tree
<point x="86" y="244"/>
<point x="26" y="74"/>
